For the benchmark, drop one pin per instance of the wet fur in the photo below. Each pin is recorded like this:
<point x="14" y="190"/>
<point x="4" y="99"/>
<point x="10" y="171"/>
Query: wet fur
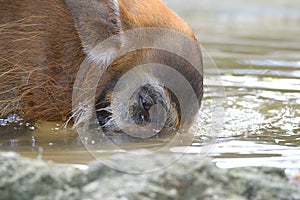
<point x="43" y="43"/>
<point x="37" y="66"/>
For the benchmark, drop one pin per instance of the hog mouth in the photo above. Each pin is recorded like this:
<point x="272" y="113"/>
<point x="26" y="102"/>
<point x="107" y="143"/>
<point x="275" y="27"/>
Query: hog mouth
<point x="151" y="106"/>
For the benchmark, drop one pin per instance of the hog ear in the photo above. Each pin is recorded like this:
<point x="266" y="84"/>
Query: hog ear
<point x="95" y="20"/>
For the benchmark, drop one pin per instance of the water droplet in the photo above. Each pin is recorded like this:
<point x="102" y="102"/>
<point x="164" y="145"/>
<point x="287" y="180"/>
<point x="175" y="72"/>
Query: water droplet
<point x="32" y="142"/>
<point x="3" y="122"/>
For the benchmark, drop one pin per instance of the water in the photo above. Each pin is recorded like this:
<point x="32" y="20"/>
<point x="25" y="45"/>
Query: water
<point x="256" y="47"/>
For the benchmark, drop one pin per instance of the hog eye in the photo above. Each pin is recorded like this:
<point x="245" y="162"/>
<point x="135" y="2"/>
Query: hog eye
<point x="146" y="103"/>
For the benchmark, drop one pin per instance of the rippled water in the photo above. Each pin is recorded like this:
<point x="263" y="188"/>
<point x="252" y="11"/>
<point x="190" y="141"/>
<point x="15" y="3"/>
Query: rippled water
<point x="256" y="47"/>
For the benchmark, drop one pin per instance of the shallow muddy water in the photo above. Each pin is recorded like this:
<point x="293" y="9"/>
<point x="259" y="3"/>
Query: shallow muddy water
<point x="256" y="48"/>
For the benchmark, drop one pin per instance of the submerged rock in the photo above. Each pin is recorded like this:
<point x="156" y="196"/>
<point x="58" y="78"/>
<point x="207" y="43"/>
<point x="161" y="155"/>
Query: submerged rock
<point x="188" y="178"/>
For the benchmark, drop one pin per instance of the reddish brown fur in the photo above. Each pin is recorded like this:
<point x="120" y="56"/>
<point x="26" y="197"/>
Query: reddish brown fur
<point x="40" y="54"/>
<point x="41" y="51"/>
<point x="149" y="13"/>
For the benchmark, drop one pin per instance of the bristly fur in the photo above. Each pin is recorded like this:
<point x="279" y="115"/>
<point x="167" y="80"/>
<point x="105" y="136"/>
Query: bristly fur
<point x="43" y="44"/>
<point x="37" y="66"/>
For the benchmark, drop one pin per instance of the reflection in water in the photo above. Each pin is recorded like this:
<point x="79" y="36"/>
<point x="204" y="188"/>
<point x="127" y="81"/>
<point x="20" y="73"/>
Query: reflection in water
<point x="245" y="153"/>
<point x="256" y="46"/>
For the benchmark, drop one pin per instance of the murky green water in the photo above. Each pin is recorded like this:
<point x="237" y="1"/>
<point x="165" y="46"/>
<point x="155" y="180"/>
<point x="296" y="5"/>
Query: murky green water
<point x="256" y="47"/>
